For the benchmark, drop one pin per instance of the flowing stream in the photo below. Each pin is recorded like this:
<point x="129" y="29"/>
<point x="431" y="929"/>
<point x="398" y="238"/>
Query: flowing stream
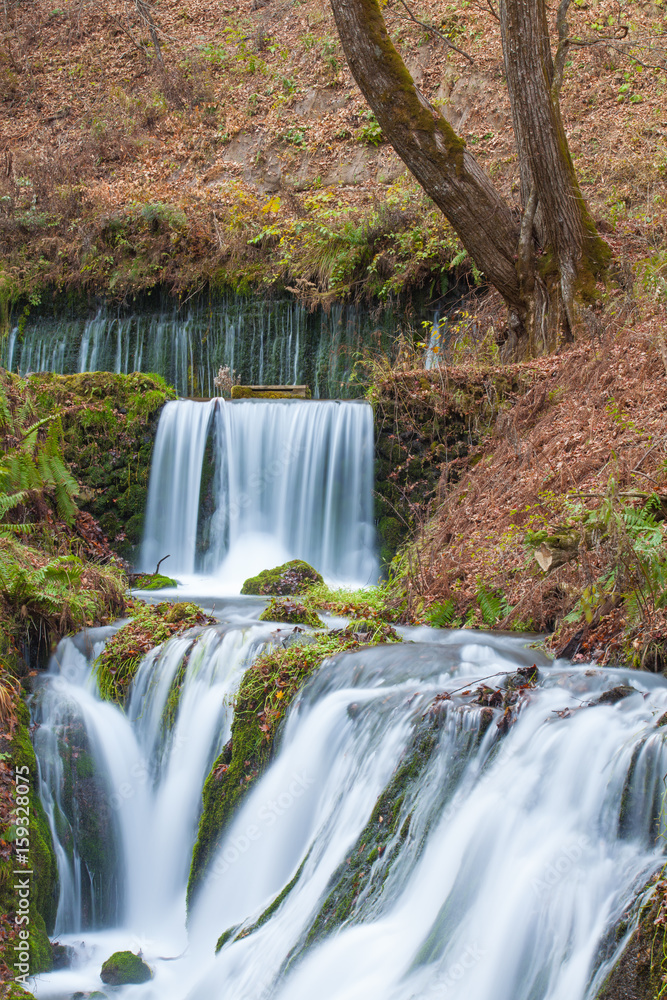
<point x="405" y="843"/>
<point x="240" y="486"/>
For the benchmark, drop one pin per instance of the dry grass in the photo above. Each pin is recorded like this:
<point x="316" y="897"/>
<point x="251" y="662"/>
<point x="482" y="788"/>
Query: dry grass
<point x="92" y="123"/>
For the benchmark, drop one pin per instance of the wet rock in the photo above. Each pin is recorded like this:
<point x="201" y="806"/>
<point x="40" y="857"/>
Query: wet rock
<point x="62" y="955"/>
<point x="124" y="968"/>
<point x="292" y="577"/>
<point x="638" y="972"/>
<point x="293" y="612"/>
<point x="614" y="695"/>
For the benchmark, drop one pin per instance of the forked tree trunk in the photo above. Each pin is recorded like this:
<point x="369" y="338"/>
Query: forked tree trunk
<point x="552" y="258"/>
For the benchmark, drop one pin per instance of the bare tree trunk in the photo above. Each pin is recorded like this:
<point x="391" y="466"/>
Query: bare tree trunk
<point x="575" y="252"/>
<point x="552" y="259"/>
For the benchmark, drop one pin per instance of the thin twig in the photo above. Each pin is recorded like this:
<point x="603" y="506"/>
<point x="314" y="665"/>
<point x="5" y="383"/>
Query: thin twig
<point x="436" y="31"/>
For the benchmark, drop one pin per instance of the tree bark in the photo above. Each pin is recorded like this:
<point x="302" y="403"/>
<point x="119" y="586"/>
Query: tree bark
<point x="565" y="227"/>
<point x="542" y="267"/>
<point x="429" y="147"/>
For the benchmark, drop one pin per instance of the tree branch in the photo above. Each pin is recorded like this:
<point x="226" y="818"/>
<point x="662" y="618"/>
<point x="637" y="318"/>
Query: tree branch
<point x="563" y="29"/>
<point x="431" y="28"/>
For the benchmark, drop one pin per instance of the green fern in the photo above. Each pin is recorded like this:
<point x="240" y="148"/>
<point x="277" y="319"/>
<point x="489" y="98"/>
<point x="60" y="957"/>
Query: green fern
<point x="494" y="607"/>
<point x="33" y="461"/>
<point x="441" y="615"/>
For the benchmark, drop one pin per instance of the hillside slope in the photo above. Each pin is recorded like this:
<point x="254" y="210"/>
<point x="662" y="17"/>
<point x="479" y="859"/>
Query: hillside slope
<point x="201" y="144"/>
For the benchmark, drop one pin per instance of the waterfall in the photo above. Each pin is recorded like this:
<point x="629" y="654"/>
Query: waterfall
<point x="172" y="509"/>
<point x="293" y="480"/>
<point x="266" y="341"/>
<point x="124" y="823"/>
<point x="405" y="843"/>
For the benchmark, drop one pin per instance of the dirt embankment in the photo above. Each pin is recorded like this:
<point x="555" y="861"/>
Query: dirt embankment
<point x="555" y="520"/>
<point x="200" y="144"/>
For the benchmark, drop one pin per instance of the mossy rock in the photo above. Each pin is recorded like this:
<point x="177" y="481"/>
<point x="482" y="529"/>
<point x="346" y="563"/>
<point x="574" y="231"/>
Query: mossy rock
<point x="294" y="577"/>
<point x="12" y="991"/>
<point x="125" y="968"/>
<point x="639" y="972"/>
<point x="153" y="581"/>
<point x="284" y="610"/>
<point x="150" y="626"/>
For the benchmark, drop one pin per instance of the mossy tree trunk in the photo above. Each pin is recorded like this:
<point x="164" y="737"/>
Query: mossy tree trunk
<point x="544" y="264"/>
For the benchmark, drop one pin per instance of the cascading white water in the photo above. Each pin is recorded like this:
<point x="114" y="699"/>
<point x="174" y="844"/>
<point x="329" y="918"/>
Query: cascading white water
<point x="149" y="762"/>
<point x="276" y="342"/>
<point x="403" y="847"/>
<point x="294" y="480"/>
<point x="172" y="510"/>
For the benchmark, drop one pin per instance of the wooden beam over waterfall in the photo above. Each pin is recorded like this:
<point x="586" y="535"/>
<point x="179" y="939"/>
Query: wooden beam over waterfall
<point x="270" y="392"/>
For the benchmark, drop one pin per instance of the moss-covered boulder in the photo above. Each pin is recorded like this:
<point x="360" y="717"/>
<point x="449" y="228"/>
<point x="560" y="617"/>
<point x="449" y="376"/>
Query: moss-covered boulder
<point x="152" y="581"/>
<point x="264" y="696"/>
<point x="285" y="610"/>
<point x="125" y="968"/>
<point x="294" y="577"/>
<point x="640" y="971"/>
<point x="109" y="423"/>
<point x="151" y="625"/>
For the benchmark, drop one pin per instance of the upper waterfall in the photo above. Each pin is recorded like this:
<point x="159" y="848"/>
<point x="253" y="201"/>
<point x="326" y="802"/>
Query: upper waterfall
<point x="236" y="487"/>
<point x="267" y="341"/>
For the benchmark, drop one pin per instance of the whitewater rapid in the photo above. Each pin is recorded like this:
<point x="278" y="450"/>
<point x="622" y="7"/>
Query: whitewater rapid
<point x="509" y="857"/>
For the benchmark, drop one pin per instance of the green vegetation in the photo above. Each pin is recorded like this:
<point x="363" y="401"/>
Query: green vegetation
<point x="378" y="605"/>
<point x="124" y="968"/>
<point x="108" y="427"/>
<point x="285" y="610"/>
<point x="292" y="577"/>
<point x="329" y="250"/>
<point x="153" y="581"/>
<point x="151" y="625"/>
<point x="267" y="689"/>
<point x="42" y="598"/>
<point x="642" y="966"/>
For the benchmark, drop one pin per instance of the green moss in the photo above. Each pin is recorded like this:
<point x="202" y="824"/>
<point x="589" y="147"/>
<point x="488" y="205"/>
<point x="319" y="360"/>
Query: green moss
<point x="292" y="577"/>
<point x="356" y="883"/>
<point x="253" y="392"/>
<point x="12" y="991"/>
<point x="265" y="916"/>
<point x="285" y="610"/>
<point x="153" y="581"/>
<point x="640" y="970"/>
<point x="42" y="599"/>
<point x="86" y="823"/>
<point x="379" y="605"/>
<point x="109" y="423"/>
<point x="151" y="625"/>
<point x="266" y="691"/>
<point x="124" y="968"/>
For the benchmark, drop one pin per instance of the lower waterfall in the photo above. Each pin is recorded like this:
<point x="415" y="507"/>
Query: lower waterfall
<point x="406" y="842"/>
<point x="287" y="479"/>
